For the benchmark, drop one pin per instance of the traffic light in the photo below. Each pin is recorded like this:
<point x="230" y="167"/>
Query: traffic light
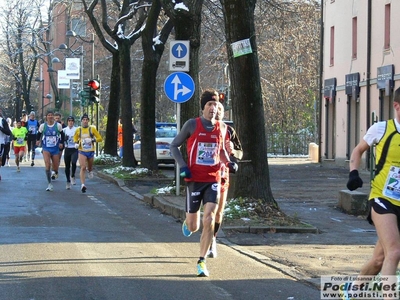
<point x="223" y="98"/>
<point x="94" y="91"/>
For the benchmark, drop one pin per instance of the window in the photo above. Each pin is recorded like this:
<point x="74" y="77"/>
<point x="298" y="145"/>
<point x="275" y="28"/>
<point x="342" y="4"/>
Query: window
<point x="78" y="25"/>
<point x="332" y="46"/>
<point x="354" y="38"/>
<point x="387" y="27"/>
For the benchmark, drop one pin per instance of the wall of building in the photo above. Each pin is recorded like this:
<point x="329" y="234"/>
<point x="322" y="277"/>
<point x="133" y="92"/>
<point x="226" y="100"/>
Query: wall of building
<point x="340" y="14"/>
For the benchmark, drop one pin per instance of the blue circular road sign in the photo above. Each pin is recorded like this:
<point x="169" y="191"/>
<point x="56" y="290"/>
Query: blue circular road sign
<point x="179" y="87"/>
<point x="179" y="50"/>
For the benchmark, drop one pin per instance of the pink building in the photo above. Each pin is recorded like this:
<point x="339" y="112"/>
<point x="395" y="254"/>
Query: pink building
<point x="361" y="55"/>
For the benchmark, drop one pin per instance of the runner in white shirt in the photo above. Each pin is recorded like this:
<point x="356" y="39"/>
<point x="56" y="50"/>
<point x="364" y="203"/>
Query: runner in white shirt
<point x="71" y="153"/>
<point x="4" y="134"/>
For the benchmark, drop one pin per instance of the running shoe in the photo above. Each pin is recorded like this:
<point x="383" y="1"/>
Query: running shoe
<point x="49" y="188"/>
<point x="8" y="164"/>
<point x="202" y="269"/>
<point x="212" y="252"/>
<point x="186" y="232"/>
<point x="73" y="181"/>
<point x="18" y="169"/>
<point x="32" y="163"/>
<point x="53" y="175"/>
<point x="90" y="175"/>
<point x="83" y="188"/>
<point x="68" y="186"/>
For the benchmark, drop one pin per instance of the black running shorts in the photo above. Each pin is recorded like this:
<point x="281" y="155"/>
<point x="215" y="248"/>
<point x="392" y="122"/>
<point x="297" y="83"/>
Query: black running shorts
<point x="197" y="192"/>
<point x="382" y="206"/>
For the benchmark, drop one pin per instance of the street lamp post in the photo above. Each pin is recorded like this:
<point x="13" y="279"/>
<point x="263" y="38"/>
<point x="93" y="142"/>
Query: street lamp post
<point x="48" y="96"/>
<point x="72" y="53"/>
<point x="42" y="94"/>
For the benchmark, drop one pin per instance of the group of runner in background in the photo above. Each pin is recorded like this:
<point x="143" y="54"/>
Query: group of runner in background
<point x="23" y="136"/>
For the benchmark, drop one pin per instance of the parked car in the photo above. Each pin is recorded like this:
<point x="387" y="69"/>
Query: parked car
<point x="165" y="133"/>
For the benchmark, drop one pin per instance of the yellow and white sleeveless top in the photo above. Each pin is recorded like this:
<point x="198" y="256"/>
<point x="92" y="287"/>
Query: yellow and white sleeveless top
<point x="386" y="183"/>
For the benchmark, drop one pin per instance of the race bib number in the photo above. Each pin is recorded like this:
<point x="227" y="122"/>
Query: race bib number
<point x="20" y="141"/>
<point x="392" y="185"/>
<point x="32" y="129"/>
<point x="70" y="142"/>
<point x="87" y="144"/>
<point x="51" y="141"/>
<point x="206" y="154"/>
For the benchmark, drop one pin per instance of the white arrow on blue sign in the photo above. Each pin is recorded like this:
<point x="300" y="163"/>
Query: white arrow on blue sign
<point x="179" y="50"/>
<point x="179" y="87"/>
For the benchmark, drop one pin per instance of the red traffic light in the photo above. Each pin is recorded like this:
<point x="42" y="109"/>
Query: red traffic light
<point x="94" y="84"/>
<point x="222" y="98"/>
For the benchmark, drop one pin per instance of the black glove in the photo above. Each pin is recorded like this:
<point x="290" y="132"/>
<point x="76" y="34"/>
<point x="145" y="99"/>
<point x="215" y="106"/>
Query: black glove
<point x="185" y="172"/>
<point x="233" y="167"/>
<point x="355" y="181"/>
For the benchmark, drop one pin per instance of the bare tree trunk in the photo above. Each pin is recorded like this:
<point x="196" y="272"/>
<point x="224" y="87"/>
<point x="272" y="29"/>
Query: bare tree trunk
<point x="148" y="91"/>
<point x="128" y="160"/>
<point x="152" y="55"/>
<point x="110" y="143"/>
<point x="252" y="180"/>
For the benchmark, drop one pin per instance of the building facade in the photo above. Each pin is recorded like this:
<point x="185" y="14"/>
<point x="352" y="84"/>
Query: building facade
<point x="360" y="58"/>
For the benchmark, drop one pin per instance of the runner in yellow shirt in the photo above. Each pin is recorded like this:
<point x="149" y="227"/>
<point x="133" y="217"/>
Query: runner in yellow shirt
<point x="20" y="136"/>
<point x="84" y="138"/>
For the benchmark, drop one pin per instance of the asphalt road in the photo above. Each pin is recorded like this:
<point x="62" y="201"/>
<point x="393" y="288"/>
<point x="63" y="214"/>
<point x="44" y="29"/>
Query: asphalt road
<point x="106" y="244"/>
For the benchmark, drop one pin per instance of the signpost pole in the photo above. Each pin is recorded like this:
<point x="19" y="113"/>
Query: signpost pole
<point x="178" y="128"/>
<point x="179" y="86"/>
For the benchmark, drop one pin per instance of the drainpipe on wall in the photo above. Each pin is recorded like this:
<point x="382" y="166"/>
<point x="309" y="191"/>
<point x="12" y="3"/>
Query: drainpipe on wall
<point x="321" y="72"/>
<point x="368" y="80"/>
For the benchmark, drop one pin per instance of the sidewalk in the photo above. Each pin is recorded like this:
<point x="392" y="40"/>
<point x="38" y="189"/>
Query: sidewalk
<point x="310" y="192"/>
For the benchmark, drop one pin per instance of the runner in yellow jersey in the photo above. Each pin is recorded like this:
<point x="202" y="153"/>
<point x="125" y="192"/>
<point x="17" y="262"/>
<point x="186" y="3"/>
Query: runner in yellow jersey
<point x="20" y="136"/>
<point x="84" y="138"/>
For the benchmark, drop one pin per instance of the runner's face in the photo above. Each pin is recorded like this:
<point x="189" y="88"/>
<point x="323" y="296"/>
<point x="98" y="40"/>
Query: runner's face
<point x="85" y="121"/>
<point x="57" y="118"/>
<point x="19" y="124"/>
<point x="50" y="118"/>
<point x="220" y="112"/>
<point x="210" y="110"/>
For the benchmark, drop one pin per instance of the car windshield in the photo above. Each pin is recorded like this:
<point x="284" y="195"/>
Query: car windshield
<point x="166" y="132"/>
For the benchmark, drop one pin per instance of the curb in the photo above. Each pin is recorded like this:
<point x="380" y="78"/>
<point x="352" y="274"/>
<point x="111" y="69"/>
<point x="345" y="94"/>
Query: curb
<point x="169" y="208"/>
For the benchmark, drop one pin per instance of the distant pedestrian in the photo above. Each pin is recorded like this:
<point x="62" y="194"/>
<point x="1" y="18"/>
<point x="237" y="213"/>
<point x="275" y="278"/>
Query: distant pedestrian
<point x="58" y="119"/>
<point x="24" y="119"/>
<point x="20" y="136"/>
<point x="384" y="198"/>
<point x="33" y="126"/>
<point x="205" y="150"/>
<point x="52" y="137"/>
<point x="70" y="153"/>
<point x="5" y="134"/>
<point x="120" y="139"/>
<point x="85" y="138"/>
<point x="7" y="146"/>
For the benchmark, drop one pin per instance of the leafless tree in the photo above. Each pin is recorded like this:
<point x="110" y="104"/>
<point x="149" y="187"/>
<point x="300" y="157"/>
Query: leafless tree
<point x="19" y="19"/>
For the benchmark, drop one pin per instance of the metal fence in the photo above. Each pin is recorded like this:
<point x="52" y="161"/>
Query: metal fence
<point x="289" y="144"/>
